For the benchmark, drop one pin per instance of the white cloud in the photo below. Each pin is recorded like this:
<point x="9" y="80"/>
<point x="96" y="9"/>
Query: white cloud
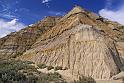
<point x="117" y="15"/>
<point x="8" y="16"/>
<point x="30" y="25"/>
<point x="56" y="13"/>
<point x="45" y="1"/>
<point x="6" y="27"/>
<point x="111" y="14"/>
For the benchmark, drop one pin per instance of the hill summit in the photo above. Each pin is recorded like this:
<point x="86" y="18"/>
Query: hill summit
<point x="81" y="42"/>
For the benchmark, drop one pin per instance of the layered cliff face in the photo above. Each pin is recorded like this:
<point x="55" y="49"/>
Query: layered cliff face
<point x="82" y="42"/>
<point x="16" y="43"/>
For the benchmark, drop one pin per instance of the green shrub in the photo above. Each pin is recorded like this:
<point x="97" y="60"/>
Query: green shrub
<point x="41" y="66"/>
<point x="50" y="67"/>
<point x="13" y="76"/>
<point x="10" y="71"/>
<point x="84" y="79"/>
<point x="58" y="68"/>
<point x="32" y="79"/>
<point x="16" y="71"/>
<point x="65" y="68"/>
<point x="24" y="71"/>
<point x="29" y="73"/>
<point x="52" y="77"/>
<point x="29" y="62"/>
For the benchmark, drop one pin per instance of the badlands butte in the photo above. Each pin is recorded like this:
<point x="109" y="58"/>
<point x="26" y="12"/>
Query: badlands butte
<point x="81" y="42"/>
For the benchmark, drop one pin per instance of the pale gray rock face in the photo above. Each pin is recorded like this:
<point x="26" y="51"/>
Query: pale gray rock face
<point x="83" y="49"/>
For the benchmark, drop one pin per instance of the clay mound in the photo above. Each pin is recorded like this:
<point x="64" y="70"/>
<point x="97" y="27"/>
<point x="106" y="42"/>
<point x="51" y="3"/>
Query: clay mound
<point x="79" y="43"/>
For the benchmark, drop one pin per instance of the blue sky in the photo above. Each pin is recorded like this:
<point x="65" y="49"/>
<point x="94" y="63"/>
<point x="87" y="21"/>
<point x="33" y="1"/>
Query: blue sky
<point x="16" y="14"/>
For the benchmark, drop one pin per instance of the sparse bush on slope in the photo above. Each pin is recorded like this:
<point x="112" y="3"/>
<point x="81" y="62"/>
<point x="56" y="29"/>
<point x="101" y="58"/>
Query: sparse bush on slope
<point x="16" y="71"/>
<point x="10" y="71"/>
<point x="42" y="66"/>
<point x="84" y="79"/>
<point x="58" y="68"/>
<point x="52" y="78"/>
<point x="50" y="67"/>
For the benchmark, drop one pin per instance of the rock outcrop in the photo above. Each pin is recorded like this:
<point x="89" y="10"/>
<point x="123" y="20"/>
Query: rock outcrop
<point x="82" y="42"/>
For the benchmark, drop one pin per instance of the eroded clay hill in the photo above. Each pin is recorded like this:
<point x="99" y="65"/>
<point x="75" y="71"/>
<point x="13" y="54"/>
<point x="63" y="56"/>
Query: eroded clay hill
<point x="82" y="42"/>
<point x="16" y="43"/>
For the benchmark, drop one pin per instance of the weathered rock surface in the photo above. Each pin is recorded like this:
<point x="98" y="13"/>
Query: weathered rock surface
<point x="81" y="43"/>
